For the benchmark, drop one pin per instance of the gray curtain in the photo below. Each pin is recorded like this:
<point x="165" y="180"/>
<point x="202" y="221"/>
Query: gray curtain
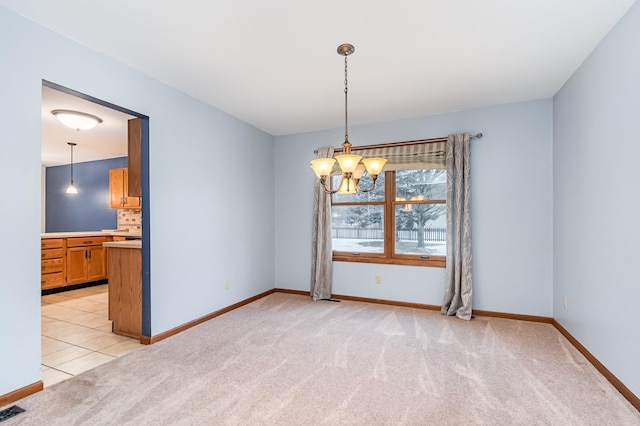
<point x="459" y="291"/>
<point x="321" y="251"/>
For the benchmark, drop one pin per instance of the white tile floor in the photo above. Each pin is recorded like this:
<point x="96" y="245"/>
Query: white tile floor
<point x="76" y="334"/>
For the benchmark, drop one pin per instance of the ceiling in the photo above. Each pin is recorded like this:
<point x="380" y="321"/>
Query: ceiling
<point x="107" y="140"/>
<point x="274" y="64"/>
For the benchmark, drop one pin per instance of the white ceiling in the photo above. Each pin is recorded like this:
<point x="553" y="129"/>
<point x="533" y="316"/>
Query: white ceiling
<point x="107" y="140"/>
<point x="274" y="64"/>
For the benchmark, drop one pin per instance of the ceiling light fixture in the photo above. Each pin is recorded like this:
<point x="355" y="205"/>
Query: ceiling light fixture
<point x="71" y="189"/>
<point x="76" y="120"/>
<point x="352" y="166"/>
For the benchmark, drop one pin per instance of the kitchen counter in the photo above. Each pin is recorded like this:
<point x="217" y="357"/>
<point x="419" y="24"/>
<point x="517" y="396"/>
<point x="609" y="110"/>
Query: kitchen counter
<point x="104" y="233"/>
<point x="127" y="244"/>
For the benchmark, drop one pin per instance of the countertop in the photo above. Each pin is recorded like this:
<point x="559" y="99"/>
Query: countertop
<point x="128" y="244"/>
<point x="105" y="232"/>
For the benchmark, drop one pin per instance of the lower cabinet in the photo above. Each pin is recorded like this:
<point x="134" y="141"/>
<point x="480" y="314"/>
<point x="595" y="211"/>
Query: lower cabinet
<point x="53" y="263"/>
<point x="69" y="261"/>
<point x="125" y="290"/>
<point x="86" y="260"/>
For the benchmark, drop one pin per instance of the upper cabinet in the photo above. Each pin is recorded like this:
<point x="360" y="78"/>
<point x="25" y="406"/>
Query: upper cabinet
<point x="135" y="140"/>
<point x="119" y="190"/>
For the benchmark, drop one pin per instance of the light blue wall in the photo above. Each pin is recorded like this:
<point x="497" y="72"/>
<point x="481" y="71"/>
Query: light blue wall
<point x="511" y="206"/>
<point x="89" y="209"/>
<point x="207" y="220"/>
<point x="597" y="202"/>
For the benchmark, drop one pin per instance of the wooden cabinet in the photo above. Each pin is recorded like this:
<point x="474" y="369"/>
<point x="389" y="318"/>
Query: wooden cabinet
<point x="86" y="260"/>
<point x="119" y="190"/>
<point x="53" y="263"/>
<point x="134" y="158"/>
<point x="125" y="290"/>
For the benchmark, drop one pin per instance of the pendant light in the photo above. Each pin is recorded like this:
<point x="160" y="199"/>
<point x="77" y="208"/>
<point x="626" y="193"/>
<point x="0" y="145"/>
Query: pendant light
<point x="352" y="166"/>
<point x="71" y="189"/>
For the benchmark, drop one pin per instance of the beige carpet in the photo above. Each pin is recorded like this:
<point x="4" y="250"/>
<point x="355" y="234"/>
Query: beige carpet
<point x="285" y="360"/>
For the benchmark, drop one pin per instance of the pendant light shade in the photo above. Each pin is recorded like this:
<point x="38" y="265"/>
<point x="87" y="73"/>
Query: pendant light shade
<point x="71" y="189"/>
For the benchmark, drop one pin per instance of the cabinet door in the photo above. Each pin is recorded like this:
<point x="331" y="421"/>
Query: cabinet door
<point x="76" y="265"/>
<point x="134" y="142"/>
<point x="116" y="188"/>
<point x="129" y="202"/>
<point x="96" y="265"/>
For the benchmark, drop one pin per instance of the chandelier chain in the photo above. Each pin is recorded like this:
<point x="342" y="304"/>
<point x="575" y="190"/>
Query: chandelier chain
<point x="346" y="114"/>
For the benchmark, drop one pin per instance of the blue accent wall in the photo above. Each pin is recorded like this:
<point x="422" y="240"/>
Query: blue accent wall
<point x="88" y="210"/>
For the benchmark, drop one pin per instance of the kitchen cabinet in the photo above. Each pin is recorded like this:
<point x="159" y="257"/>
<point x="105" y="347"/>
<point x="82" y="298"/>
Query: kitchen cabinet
<point x="86" y="260"/>
<point x="125" y="287"/>
<point x="53" y="263"/>
<point x="134" y="157"/>
<point x="119" y="190"/>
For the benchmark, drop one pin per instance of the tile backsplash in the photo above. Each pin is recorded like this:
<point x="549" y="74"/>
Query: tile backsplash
<point x="130" y="219"/>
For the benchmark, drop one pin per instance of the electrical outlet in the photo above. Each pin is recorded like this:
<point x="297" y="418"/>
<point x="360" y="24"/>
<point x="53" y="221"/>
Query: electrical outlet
<point x="378" y="279"/>
<point x="564" y="302"/>
<point x="226" y="284"/>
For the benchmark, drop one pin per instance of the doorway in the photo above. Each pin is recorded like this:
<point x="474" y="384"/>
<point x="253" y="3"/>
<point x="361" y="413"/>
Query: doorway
<point x="76" y="333"/>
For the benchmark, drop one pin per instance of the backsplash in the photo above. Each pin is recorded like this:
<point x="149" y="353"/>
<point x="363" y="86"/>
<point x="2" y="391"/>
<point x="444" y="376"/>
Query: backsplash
<point x="130" y="219"/>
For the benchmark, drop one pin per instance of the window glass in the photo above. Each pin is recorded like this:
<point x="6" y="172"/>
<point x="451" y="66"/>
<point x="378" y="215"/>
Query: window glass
<point x="421" y="229"/>
<point x="428" y="184"/>
<point x="358" y="228"/>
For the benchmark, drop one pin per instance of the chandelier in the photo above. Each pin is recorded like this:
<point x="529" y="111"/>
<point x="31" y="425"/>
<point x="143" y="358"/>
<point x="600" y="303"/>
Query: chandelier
<point x="352" y="166"/>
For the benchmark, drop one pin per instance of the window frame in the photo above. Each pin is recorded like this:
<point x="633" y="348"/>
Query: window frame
<point x="389" y="256"/>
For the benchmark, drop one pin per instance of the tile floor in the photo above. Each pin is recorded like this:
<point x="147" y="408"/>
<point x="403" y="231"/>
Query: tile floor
<point x="76" y="334"/>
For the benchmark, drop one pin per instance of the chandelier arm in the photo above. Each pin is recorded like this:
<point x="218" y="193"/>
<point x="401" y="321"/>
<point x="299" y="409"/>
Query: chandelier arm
<point x="373" y="185"/>
<point x="323" y="182"/>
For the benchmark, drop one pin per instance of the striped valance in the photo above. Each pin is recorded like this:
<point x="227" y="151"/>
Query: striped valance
<point x="421" y="154"/>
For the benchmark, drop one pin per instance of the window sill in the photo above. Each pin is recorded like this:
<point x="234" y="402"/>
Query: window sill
<point x="437" y="262"/>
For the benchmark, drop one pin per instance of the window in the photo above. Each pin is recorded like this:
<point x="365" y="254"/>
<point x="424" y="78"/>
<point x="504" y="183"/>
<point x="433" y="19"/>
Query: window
<point x="402" y="221"/>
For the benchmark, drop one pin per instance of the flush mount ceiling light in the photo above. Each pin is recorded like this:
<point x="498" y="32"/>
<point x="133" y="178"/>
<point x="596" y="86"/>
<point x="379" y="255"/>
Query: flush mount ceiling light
<point x="71" y="189"/>
<point x="76" y="120"/>
<point x="352" y="166"/>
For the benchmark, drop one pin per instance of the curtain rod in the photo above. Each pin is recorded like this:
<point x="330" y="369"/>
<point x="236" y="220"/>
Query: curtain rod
<point x="387" y="145"/>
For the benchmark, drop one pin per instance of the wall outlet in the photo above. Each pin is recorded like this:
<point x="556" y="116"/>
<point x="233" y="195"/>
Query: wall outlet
<point x="226" y="284"/>
<point x="377" y="278"/>
<point x="564" y="302"/>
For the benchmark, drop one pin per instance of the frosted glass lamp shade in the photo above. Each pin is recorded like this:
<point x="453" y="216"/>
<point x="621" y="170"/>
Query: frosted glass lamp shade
<point x="76" y="120"/>
<point x="71" y="189"/>
<point x="357" y="174"/>
<point x="348" y="162"/>
<point x="322" y="166"/>
<point x="347" y="186"/>
<point x="374" y="165"/>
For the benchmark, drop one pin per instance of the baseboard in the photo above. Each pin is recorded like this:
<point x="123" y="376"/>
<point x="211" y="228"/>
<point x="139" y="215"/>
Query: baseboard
<point x="147" y="340"/>
<point x="625" y="391"/>
<point x="520" y="317"/>
<point x="10" y="397"/>
<point x="386" y="302"/>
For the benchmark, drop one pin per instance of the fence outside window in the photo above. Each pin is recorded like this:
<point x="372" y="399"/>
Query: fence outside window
<point x="430" y="234"/>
